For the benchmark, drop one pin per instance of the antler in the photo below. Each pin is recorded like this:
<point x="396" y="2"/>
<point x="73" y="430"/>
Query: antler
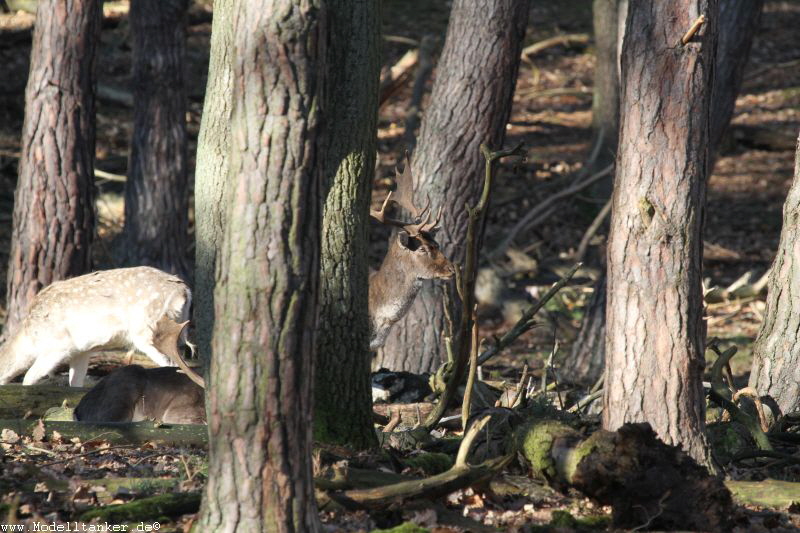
<point x="165" y="340"/>
<point x="403" y="196"/>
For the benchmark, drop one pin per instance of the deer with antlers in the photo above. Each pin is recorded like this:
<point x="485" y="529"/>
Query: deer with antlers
<point x="413" y="256"/>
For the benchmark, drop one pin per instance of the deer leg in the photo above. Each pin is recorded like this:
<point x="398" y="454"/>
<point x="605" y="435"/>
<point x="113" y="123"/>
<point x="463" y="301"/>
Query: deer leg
<point x="78" y="365"/>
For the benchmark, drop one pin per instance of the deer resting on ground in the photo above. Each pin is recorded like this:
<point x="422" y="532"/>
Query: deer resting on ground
<point x="133" y="393"/>
<point x="111" y="309"/>
<point x="413" y="256"/>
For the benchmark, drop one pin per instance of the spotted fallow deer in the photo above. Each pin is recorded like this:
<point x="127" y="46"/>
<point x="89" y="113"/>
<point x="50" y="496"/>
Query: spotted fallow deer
<point x="110" y="309"/>
<point x="413" y="256"/>
<point x="133" y="393"/>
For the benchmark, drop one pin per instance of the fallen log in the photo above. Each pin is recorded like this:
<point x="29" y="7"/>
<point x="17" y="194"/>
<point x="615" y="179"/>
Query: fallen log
<point x="18" y="401"/>
<point x="648" y="483"/>
<point x="772" y="493"/>
<point x="172" y="504"/>
<point x="115" y="433"/>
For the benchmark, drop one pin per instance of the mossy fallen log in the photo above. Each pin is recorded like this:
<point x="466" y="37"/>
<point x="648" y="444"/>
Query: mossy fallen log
<point x="17" y="401"/>
<point x="772" y="493"/>
<point x="116" y="433"/>
<point x="644" y="480"/>
<point x="154" y="508"/>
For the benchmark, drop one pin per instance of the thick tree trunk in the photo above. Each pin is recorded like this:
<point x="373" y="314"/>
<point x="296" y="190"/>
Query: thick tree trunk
<point x="738" y="21"/>
<point x="53" y="221"/>
<point x="343" y="407"/>
<point x="259" y="397"/>
<point x="776" y="352"/>
<point x="156" y="192"/>
<point x="470" y="105"/>
<point x="655" y="336"/>
<point x="211" y="172"/>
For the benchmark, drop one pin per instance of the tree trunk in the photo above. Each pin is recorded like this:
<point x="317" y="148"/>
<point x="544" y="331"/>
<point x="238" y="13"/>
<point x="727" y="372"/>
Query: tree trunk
<point x="53" y="222"/>
<point x="156" y="192"/>
<point x="738" y="21"/>
<point x="776" y="352"/>
<point x="655" y="332"/>
<point x="343" y="407"/>
<point x="605" y="101"/>
<point x="259" y="397"/>
<point x="211" y="171"/>
<point x="586" y="359"/>
<point x="470" y="105"/>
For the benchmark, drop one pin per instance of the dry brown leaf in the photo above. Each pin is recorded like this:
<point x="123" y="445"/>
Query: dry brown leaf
<point x="38" y="432"/>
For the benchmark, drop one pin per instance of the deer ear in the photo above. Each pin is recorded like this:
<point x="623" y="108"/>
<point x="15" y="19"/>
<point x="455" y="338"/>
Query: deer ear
<point x="403" y="238"/>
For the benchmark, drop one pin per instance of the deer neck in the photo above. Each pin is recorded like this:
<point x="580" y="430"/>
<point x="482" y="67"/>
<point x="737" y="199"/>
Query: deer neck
<point x="392" y="290"/>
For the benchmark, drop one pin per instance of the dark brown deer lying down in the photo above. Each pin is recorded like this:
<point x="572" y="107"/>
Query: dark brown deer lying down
<point x="413" y="256"/>
<point x="133" y="393"/>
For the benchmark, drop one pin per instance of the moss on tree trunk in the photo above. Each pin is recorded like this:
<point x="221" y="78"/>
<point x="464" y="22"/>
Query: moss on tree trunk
<point x="342" y="411"/>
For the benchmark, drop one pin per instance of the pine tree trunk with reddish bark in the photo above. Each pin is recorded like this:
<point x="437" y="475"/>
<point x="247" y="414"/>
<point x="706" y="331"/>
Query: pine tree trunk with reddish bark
<point x="738" y="22"/>
<point x="655" y="330"/>
<point x="53" y="224"/>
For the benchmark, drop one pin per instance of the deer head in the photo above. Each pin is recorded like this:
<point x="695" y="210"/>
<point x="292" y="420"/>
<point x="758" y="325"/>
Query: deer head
<point x="133" y="393"/>
<point x="413" y="256"/>
<point x="414" y="247"/>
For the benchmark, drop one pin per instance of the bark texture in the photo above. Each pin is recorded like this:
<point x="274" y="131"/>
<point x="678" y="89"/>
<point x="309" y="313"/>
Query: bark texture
<point x="211" y="172"/>
<point x="343" y="407"/>
<point x="776" y="352"/>
<point x="156" y="192"/>
<point x="738" y="21"/>
<point x="470" y="105"/>
<point x="259" y="399"/>
<point x="53" y="222"/>
<point x="655" y="336"/>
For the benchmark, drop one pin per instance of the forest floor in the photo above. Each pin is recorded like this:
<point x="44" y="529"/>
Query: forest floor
<point x="745" y="198"/>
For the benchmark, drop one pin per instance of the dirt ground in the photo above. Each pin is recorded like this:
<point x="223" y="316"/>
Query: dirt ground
<point x="745" y="198"/>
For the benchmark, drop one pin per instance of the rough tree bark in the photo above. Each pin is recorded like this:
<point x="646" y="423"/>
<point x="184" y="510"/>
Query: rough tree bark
<point x="156" y="192"/>
<point x="470" y="105"/>
<point x="211" y="172"/>
<point x="343" y="406"/>
<point x="53" y="222"/>
<point x="738" y="21"/>
<point x="655" y="336"/>
<point x="776" y="352"/>
<point x="259" y="400"/>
